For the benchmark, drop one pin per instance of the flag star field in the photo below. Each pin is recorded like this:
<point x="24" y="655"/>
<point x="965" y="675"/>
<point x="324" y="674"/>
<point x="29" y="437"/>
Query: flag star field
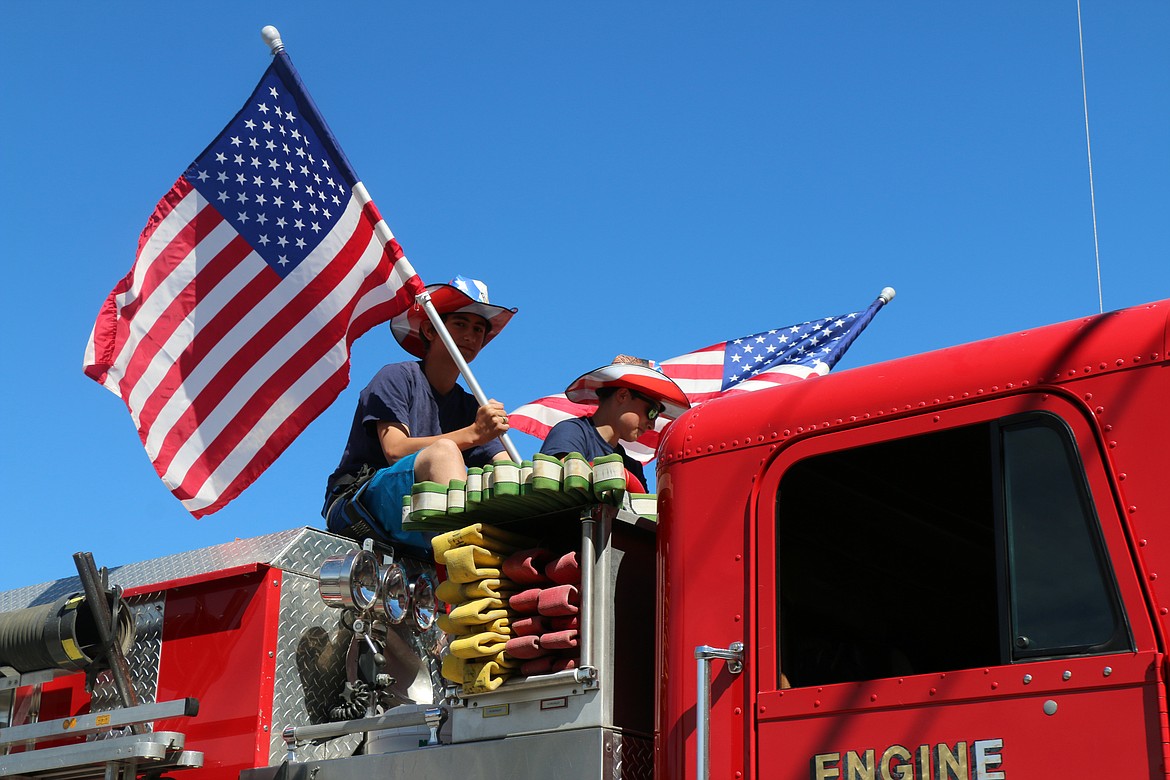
<point x="271" y="178"/>
<point x="810" y="344"/>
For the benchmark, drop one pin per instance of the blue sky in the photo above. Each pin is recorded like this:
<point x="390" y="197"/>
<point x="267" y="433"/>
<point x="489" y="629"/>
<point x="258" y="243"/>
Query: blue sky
<point x="645" y="178"/>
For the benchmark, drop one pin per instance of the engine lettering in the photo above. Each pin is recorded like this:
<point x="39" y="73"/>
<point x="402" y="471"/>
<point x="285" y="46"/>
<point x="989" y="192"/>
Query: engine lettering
<point x="979" y="760"/>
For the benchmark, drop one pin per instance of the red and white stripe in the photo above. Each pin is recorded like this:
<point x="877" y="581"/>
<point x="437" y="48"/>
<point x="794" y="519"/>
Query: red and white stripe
<point x="700" y="374"/>
<point x="538" y="417"/>
<point x="221" y="362"/>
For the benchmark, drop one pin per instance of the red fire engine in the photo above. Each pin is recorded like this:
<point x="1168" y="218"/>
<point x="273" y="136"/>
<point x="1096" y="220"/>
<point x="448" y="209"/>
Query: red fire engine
<point x="943" y="566"/>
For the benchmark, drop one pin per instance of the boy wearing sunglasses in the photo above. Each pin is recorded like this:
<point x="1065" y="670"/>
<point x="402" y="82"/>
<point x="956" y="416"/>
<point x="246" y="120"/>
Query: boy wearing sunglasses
<point x="630" y="396"/>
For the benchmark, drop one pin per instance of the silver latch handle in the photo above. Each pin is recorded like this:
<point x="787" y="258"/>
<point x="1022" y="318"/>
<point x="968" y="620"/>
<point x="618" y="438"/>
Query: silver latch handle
<point x="704" y="654"/>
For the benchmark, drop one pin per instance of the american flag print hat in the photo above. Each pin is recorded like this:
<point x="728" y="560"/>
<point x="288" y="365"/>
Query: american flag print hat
<point x="634" y="374"/>
<point x="462" y="294"/>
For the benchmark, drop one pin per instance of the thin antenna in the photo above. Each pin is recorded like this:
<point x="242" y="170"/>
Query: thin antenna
<point x="1089" y="150"/>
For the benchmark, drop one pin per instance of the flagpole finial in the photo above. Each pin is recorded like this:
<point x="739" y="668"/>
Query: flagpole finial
<point x="271" y="36"/>
<point x="887" y="294"/>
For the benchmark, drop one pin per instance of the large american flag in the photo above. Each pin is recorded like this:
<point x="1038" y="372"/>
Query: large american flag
<point x="742" y="365"/>
<point x="253" y="277"/>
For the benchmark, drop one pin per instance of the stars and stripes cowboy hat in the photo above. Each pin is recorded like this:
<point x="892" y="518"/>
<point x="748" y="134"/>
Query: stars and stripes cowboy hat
<point x="465" y="295"/>
<point x="634" y="374"/>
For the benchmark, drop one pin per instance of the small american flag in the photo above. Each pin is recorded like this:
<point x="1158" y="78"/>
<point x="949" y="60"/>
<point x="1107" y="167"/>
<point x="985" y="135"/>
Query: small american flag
<point x="253" y="277"/>
<point x="754" y="362"/>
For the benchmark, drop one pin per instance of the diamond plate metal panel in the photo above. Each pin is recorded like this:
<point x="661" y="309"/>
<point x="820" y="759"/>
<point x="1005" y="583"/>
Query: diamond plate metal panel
<point x="633" y="756"/>
<point x="143" y="659"/>
<point x="307" y="550"/>
<point x="292" y="550"/>
<point x="310" y="667"/>
<point x="312" y="645"/>
<point x="311" y="652"/>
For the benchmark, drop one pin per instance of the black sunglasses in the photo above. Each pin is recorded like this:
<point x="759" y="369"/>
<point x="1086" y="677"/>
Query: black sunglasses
<point x="654" y="409"/>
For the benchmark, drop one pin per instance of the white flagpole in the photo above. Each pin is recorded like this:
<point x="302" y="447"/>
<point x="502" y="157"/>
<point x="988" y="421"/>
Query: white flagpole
<point x="403" y="268"/>
<point x="382" y="231"/>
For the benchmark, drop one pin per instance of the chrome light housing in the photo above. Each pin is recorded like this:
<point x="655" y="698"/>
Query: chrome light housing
<point x="350" y="580"/>
<point x="395" y="594"/>
<point x="425" y="605"/>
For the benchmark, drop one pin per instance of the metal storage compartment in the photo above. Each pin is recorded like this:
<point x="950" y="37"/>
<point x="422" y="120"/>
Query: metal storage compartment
<point x="614" y="686"/>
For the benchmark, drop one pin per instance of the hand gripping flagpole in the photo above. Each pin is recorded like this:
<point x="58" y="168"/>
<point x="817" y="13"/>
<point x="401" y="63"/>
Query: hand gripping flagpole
<point x="424" y="300"/>
<point x="271" y="37"/>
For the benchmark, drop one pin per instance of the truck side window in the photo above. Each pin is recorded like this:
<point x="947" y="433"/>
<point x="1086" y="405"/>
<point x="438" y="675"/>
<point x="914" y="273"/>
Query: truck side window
<point x="1061" y="588"/>
<point x="968" y="547"/>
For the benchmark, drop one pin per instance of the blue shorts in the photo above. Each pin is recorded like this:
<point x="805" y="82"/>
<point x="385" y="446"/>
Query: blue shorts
<point x="379" y="503"/>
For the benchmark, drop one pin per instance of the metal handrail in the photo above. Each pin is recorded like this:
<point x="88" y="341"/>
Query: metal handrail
<point x="404" y="715"/>
<point x="704" y="654"/>
<point x="94" y="722"/>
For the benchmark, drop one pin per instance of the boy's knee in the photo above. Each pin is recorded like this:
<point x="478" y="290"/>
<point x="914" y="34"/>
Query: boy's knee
<point x="441" y="461"/>
<point x="441" y="450"/>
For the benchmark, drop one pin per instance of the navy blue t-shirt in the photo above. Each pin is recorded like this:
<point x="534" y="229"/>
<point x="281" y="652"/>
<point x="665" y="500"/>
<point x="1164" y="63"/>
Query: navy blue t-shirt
<point x="400" y="393"/>
<point x="579" y="435"/>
